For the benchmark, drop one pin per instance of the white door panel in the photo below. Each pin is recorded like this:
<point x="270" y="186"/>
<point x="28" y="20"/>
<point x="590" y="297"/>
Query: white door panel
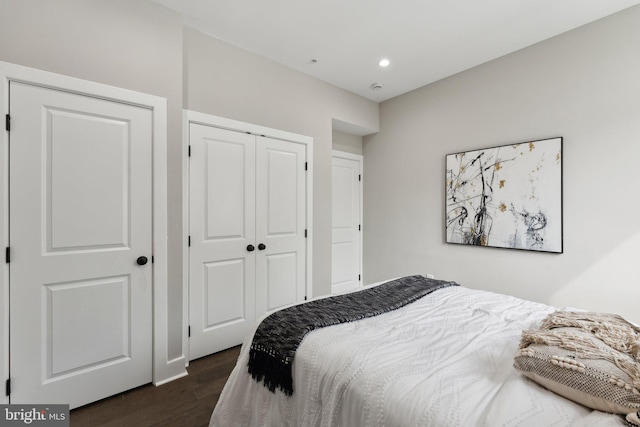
<point x="281" y="280"/>
<point x="71" y="333"/>
<point x="86" y="213"/>
<point x="80" y="216"/>
<point x="280" y="223"/>
<point x="346" y="224"/>
<point x="228" y="187"/>
<point x="222" y="226"/>
<point x="224" y="303"/>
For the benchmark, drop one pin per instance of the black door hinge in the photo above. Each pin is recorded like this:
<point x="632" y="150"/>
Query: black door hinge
<point x="7" y="122"/>
<point x="189" y="151"/>
<point x="306" y="165"/>
<point x="152" y="259"/>
<point x="189" y="242"/>
<point x="7" y="255"/>
<point x="305" y="233"/>
<point x="359" y="227"/>
<point x="359" y="278"/>
<point x="8" y="387"/>
<point x="359" y="177"/>
<point x="189" y="331"/>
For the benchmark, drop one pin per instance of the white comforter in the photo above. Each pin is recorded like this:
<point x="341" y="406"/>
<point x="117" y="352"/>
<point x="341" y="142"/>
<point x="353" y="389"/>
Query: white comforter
<point x="445" y="360"/>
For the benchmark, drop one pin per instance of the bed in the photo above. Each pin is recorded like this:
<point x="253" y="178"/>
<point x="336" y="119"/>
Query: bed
<point x="446" y="359"/>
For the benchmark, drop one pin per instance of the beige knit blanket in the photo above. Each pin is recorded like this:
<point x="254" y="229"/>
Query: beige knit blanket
<point x="621" y="338"/>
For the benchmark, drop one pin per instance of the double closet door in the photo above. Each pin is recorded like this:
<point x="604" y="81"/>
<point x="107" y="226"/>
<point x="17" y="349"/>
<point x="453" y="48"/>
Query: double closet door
<point x="247" y="221"/>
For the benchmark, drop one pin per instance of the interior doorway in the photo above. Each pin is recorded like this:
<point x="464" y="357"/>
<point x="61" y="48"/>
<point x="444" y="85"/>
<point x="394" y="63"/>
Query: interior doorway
<point x="83" y="210"/>
<point x="347" y="181"/>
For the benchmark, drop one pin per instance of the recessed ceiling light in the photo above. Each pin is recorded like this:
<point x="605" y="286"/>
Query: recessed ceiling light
<point x="384" y="63"/>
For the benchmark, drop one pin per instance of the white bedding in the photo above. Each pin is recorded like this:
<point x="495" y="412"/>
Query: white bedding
<point x="445" y="360"/>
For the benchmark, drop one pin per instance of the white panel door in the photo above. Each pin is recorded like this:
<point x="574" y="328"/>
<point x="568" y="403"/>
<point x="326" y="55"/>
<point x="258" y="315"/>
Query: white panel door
<point x="346" y="223"/>
<point x="222" y="234"/>
<point x="80" y="220"/>
<point x="280" y="224"/>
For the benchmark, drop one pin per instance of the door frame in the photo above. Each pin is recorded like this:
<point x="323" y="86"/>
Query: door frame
<point x="164" y="369"/>
<point x="360" y="159"/>
<point x="195" y="117"/>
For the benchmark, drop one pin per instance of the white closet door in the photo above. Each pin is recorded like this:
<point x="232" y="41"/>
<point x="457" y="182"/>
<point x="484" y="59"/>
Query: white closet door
<point x="80" y="218"/>
<point x="346" y="223"/>
<point x="280" y="224"/>
<point x="222" y="232"/>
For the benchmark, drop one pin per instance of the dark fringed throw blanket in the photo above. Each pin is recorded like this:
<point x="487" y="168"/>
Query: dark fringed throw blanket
<point x="279" y="335"/>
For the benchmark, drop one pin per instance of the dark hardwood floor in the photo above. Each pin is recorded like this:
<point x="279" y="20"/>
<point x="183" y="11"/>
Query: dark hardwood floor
<point x="186" y="402"/>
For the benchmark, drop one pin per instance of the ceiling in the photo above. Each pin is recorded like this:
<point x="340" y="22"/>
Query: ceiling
<point x="341" y="41"/>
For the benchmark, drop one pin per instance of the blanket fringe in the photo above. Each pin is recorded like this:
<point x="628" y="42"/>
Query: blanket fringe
<point x="279" y="373"/>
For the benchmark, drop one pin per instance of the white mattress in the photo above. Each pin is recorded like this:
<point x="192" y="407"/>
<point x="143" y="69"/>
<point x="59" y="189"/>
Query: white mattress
<point x="445" y="360"/>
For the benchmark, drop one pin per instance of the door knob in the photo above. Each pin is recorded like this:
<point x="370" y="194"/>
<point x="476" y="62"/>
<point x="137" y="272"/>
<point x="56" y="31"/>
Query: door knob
<point x="251" y="248"/>
<point x="262" y="247"/>
<point x="142" y="260"/>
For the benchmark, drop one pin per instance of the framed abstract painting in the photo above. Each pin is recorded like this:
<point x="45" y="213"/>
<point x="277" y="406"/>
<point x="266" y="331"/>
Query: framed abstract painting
<point x="506" y="197"/>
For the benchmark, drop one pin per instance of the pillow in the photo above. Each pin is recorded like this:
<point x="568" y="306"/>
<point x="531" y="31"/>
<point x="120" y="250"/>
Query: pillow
<point x="590" y="358"/>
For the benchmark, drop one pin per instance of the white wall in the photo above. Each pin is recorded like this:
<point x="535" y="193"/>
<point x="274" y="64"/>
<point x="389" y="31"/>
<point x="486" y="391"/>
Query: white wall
<point x="228" y="82"/>
<point x="347" y="142"/>
<point x="582" y="85"/>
